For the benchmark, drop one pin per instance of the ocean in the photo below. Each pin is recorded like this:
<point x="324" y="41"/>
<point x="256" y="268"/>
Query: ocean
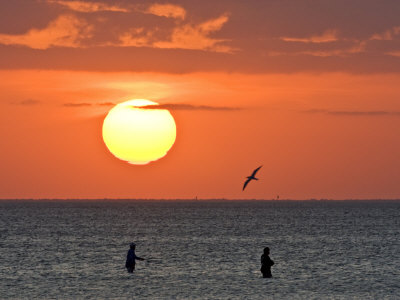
<point x="76" y="249"/>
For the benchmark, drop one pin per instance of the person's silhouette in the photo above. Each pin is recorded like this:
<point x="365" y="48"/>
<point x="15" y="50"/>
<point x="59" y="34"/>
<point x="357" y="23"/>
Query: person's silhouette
<point x="131" y="258"/>
<point x="266" y="264"/>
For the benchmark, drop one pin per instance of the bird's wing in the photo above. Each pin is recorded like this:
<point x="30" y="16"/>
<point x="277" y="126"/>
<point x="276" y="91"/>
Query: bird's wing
<point x="255" y="171"/>
<point x="245" y="184"/>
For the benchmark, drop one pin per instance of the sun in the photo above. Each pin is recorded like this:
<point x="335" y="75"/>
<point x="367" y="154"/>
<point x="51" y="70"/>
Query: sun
<point x="138" y="135"/>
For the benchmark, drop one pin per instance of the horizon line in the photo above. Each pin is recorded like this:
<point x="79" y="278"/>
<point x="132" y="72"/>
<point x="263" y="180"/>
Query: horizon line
<point x="195" y="199"/>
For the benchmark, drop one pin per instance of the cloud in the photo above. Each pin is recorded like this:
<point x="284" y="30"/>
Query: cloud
<point x="357" y="47"/>
<point x="81" y="104"/>
<point x="327" y="37"/>
<point x="187" y="36"/>
<point x="136" y="37"/>
<point x="86" y="104"/>
<point x="27" y="102"/>
<point x="171" y="106"/>
<point x="65" y="31"/>
<point x="181" y="106"/>
<point x="197" y="37"/>
<point x="73" y="32"/>
<point x="167" y="10"/>
<point x="352" y="113"/>
<point x="161" y="10"/>
<point x="393" y="53"/>
<point x="88" y="7"/>
<point x="388" y="35"/>
<point x="105" y="104"/>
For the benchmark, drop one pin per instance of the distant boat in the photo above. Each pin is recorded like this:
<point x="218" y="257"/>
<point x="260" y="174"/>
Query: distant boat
<point x="251" y="177"/>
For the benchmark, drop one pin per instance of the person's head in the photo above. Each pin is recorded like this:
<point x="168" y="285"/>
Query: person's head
<point x="133" y="246"/>
<point x="266" y="251"/>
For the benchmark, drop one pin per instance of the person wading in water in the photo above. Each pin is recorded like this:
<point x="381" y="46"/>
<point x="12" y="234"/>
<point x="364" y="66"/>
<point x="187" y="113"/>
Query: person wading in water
<point x="131" y="258"/>
<point x="266" y="264"/>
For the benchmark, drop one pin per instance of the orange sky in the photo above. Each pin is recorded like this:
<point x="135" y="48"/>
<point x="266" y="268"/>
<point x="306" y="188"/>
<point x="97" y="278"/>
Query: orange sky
<point x="316" y="103"/>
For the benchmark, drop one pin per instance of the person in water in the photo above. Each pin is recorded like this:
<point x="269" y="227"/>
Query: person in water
<point x="131" y="258"/>
<point x="266" y="264"/>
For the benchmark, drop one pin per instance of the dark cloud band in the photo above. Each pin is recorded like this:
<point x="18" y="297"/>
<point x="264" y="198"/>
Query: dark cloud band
<point x="175" y="106"/>
<point x="27" y="102"/>
<point x="83" y="104"/>
<point x="76" y="104"/>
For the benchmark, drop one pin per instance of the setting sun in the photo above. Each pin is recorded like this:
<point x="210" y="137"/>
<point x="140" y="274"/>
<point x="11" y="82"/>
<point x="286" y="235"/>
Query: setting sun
<point x="138" y="135"/>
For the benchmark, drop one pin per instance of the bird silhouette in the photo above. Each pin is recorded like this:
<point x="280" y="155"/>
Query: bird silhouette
<point x="251" y="177"/>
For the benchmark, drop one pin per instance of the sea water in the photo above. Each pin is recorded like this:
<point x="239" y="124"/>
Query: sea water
<point x="199" y="249"/>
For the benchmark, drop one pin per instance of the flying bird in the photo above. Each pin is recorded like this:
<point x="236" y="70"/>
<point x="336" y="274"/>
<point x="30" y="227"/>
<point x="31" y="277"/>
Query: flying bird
<point x="251" y="177"/>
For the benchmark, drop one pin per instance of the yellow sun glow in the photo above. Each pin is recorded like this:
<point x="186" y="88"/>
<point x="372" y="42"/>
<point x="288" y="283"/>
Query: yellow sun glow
<point x="138" y="135"/>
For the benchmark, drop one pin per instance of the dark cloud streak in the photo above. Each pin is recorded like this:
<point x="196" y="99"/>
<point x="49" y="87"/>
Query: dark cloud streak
<point x="27" y="102"/>
<point x="84" y="104"/>
<point x="76" y="104"/>
<point x="179" y="106"/>
<point x="106" y="104"/>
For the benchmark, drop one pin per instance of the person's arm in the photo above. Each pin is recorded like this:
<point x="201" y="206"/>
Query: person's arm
<point x="138" y="258"/>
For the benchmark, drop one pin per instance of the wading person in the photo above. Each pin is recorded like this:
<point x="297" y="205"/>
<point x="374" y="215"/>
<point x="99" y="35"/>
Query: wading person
<point x="131" y="258"/>
<point x="266" y="264"/>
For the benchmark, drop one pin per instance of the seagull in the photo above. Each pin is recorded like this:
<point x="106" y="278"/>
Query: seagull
<point x="251" y="177"/>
